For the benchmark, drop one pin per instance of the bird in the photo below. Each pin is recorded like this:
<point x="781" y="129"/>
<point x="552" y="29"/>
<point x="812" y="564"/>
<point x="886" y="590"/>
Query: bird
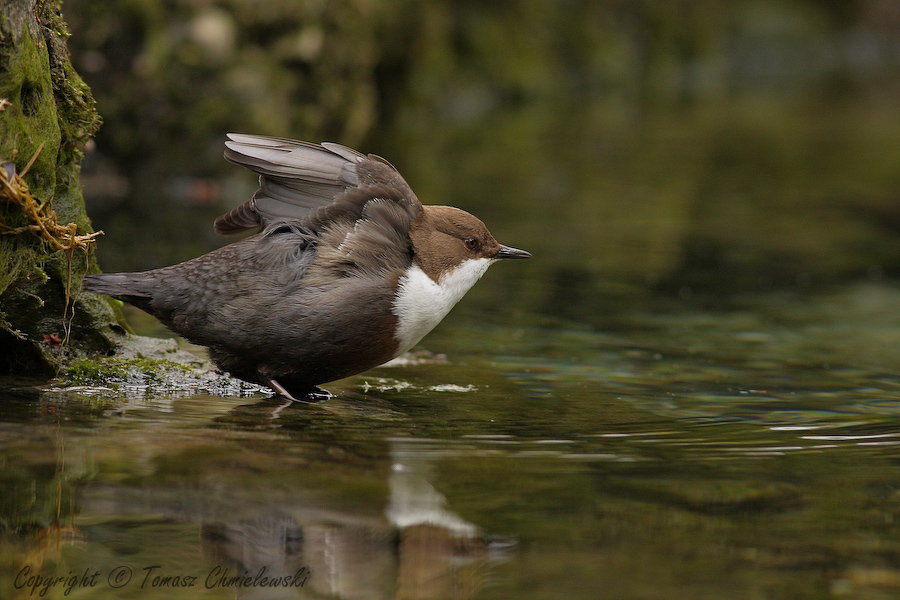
<point x="346" y="269"/>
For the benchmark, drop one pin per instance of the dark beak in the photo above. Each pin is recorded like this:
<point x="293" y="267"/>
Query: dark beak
<point x="507" y="252"/>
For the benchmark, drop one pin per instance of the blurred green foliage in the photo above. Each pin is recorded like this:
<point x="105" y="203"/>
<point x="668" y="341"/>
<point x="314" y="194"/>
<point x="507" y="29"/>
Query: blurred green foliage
<point x="683" y="147"/>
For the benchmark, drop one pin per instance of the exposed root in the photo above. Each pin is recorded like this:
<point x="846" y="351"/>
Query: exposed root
<point x="43" y="224"/>
<point x="42" y="217"/>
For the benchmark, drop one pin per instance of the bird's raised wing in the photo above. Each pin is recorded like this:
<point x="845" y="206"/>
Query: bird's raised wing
<point x="310" y="184"/>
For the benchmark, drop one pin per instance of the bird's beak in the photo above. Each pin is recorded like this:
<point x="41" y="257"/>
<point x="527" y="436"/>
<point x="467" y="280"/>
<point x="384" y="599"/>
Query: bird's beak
<point x="507" y="252"/>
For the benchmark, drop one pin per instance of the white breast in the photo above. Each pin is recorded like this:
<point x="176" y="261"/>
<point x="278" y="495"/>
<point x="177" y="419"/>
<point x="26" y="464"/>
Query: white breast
<point x="421" y="303"/>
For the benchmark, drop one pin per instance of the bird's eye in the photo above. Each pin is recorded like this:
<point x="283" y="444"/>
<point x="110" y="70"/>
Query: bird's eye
<point x="471" y="243"/>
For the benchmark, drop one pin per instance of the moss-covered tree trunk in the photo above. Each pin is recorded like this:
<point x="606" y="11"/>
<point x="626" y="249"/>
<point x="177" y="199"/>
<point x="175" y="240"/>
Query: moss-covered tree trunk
<point x="45" y="108"/>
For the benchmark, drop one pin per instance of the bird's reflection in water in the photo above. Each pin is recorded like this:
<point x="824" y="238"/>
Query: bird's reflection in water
<point x="418" y="549"/>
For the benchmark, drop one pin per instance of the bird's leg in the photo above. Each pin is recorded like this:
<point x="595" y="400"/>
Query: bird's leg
<point x="314" y="395"/>
<point x="282" y="391"/>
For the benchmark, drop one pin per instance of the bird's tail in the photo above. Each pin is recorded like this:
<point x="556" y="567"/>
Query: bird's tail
<point x="135" y="288"/>
<point x="117" y="284"/>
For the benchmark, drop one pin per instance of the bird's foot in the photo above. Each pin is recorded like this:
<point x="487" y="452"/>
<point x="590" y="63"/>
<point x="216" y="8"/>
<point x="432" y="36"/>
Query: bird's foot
<point x="311" y="395"/>
<point x="315" y="395"/>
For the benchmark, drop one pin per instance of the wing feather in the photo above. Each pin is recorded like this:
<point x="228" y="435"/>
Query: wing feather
<point x="300" y="180"/>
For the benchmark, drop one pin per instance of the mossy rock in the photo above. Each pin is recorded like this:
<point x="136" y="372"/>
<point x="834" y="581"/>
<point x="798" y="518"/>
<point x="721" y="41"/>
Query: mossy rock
<point x="149" y="366"/>
<point x="47" y="113"/>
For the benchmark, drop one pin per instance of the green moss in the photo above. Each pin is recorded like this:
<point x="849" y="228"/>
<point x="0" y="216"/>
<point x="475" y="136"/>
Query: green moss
<point x="49" y="114"/>
<point x="106" y="371"/>
<point x="91" y="372"/>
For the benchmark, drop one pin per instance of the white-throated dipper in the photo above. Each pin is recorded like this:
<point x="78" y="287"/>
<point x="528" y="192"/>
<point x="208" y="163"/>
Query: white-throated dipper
<point x="348" y="270"/>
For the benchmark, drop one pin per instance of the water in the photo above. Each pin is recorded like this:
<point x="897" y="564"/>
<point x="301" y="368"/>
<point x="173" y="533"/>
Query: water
<point x="690" y="454"/>
<point x="691" y="391"/>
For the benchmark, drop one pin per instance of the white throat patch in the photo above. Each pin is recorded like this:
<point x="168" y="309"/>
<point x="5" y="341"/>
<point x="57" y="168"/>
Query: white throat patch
<point x="421" y="303"/>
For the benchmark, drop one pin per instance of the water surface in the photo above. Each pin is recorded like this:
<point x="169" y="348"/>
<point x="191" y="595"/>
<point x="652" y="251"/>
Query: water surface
<point x="691" y="391"/>
<point x="746" y="453"/>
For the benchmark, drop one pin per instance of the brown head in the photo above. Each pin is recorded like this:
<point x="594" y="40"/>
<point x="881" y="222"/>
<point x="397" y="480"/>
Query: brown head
<point x="443" y="237"/>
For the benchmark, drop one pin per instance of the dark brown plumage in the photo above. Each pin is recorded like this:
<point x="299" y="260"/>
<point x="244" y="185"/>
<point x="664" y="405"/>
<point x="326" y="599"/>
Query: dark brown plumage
<point x="312" y="297"/>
